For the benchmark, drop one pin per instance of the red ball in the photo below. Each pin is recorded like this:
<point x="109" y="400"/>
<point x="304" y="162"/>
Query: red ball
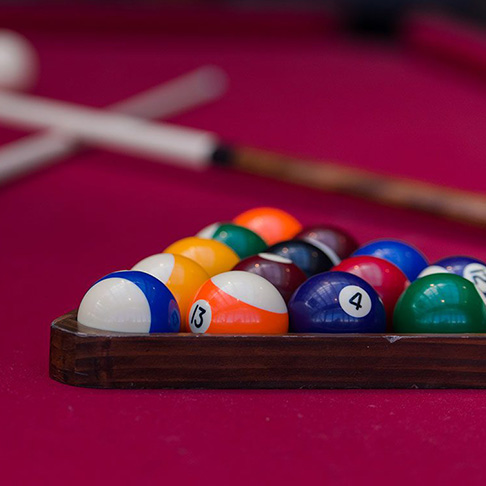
<point x="385" y="277"/>
<point x="279" y="271"/>
<point x="329" y="237"/>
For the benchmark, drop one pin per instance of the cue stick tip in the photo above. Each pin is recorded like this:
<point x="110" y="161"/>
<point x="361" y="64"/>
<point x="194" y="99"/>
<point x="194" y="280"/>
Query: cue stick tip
<point x="223" y="155"/>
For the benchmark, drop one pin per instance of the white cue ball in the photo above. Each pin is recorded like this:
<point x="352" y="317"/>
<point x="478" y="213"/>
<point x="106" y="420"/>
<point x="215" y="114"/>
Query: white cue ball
<point x="19" y="65"/>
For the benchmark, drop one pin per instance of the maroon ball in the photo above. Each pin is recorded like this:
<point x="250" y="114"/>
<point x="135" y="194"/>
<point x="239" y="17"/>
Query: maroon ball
<point x="279" y="271"/>
<point x="326" y="237"/>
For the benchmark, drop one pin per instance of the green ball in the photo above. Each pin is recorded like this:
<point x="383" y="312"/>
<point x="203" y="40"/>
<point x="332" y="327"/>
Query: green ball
<point x="242" y="241"/>
<point x="440" y="303"/>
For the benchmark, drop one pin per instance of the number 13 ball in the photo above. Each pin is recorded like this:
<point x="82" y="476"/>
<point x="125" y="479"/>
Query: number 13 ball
<point x="238" y="303"/>
<point x="336" y="302"/>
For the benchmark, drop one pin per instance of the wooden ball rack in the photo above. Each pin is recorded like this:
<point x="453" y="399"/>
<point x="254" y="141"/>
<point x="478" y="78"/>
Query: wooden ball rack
<point x="80" y="356"/>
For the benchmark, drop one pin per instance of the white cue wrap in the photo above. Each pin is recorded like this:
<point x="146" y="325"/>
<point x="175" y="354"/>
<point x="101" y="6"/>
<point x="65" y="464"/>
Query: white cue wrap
<point x="182" y="146"/>
<point x="185" y="92"/>
<point x="34" y="151"/>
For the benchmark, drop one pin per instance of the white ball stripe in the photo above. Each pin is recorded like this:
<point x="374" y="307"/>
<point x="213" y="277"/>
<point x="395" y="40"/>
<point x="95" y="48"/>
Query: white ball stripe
<point x="159" y="266"/>
<point x="208" y="231"/>
<point x="251" y="289"/>
<point x="274" y="258"/>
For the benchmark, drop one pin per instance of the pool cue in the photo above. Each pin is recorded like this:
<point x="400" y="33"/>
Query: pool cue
<point x="107" y="129"/>
<point x="173" y="97"/>
<point x="199" y="149"/>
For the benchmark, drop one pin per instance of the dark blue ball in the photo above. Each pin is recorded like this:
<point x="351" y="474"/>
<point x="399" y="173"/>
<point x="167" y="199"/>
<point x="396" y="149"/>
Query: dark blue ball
<point x="336" y="302"/>
<point x="460" y="264"/>
<point x="310" y="259"/>
<point x="471" y="269"/>
<point x="406" y="257"/>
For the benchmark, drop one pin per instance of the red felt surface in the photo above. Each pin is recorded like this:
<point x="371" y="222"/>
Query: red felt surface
<point x="368" y="104"/>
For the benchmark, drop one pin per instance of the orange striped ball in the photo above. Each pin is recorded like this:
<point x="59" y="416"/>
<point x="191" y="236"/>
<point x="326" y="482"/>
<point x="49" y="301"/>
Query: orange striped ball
<point x="238" y="303"/>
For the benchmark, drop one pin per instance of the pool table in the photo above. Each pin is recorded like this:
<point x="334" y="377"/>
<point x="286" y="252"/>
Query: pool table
<point x="298" y="87"/>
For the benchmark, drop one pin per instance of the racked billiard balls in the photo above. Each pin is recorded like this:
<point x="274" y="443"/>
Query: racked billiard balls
<point x="271" y="224"/>
<point x="405" y="256"/>
<point x="310" y="259"/>
<point x="279" y="271"/>
<point x="215" y="257"/>
<point x="440" y="303"/>
<point x="337" y="243"/>
<point x="385" y="277"/>
<point x="238" y="303"/>
<point x="182" y="276"/>
<point x="130" y="301"/>
<point x="472" y="269"/>
<point x="243" y="241"/>
<point x="336" y="302"/>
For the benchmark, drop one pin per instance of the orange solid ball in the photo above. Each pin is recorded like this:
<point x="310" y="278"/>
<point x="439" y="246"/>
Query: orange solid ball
<point x="215" y="257"/>
<point x="272" y="224"/>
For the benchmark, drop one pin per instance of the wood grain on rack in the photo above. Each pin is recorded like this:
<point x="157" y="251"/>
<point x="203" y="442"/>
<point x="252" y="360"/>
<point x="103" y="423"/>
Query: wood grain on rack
<point x="113" y="360"/>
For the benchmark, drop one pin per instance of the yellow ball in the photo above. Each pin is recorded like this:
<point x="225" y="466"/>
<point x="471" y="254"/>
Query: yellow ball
<point x="215" y="257"/>
<point x="182" y="276"/>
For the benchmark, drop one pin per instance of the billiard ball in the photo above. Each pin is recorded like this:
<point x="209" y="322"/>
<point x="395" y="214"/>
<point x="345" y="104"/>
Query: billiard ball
<point x="385" y="277"/>
<point x="405" y="256"/>
<point x="18" y="62"/>
<point x="310" y="259"/>
<point x="279" y="271"/>
<point x="336" y="302"/>
<point x="182" y="276"/>
<point x="215" y="257"/>
<point x="243" y="241"/>
<point x="130" y="301"/>
<point x="472" y="269"/>
<point x="238" y="303"/>
<point x="272" y="224"/>
<point x="440" y="303"/>
<point x="209" y="230"/>
<point x="431" y="270"/>
<point x="337" y="243"/>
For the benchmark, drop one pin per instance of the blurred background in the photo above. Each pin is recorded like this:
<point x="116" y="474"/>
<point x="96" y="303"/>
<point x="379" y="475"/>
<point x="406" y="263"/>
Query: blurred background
<point x="395" y="87"/>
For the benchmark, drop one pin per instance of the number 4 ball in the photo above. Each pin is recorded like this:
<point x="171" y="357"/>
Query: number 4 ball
<point x="336" y="302"/>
